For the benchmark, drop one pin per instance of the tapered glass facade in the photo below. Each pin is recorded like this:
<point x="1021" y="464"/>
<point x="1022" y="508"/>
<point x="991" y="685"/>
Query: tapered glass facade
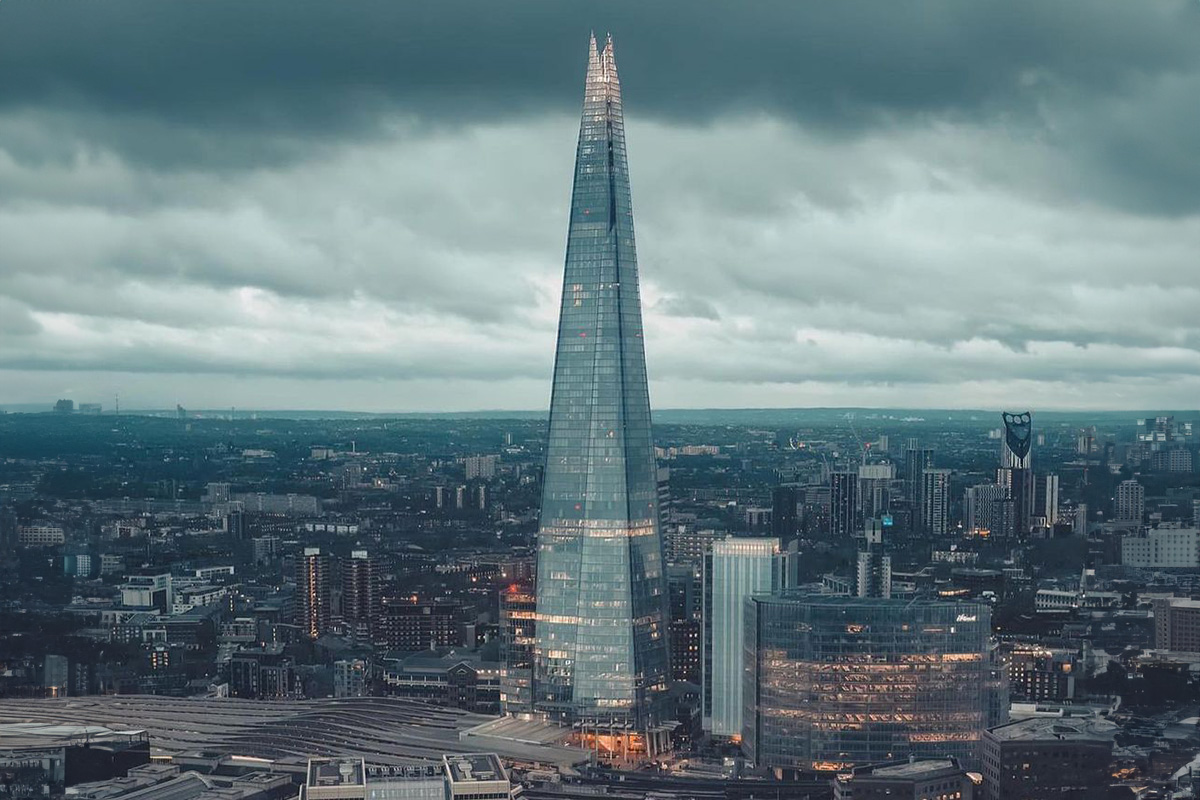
<point x="601" y="654"/>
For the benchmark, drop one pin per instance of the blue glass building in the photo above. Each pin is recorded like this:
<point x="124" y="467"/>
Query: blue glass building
<point x="601" y="655"/>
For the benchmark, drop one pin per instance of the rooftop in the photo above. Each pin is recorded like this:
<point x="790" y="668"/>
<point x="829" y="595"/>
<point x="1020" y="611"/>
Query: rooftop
<point x="381" y="730"/>
<point x="475" y="767"/>
<point x="914" y="769"/>
<point x="336" y="772"/>
<point x="1042" y="729"/>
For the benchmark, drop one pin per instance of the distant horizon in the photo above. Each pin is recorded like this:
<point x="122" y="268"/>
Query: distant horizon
<point x="219" y="411"/>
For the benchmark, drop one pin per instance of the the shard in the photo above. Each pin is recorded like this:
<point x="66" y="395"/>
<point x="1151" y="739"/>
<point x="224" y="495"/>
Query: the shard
<point x="601" y="651"/>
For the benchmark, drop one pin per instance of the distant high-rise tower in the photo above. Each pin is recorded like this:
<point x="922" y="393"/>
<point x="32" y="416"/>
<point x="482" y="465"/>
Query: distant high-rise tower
<point x="935" y="502"/>
<point x="987" y="511"/>
<point x="312" y="592"/>
<point x="1046" y="498"/>
<point x="518" y="611"/>
<point x="601" y="655"/>
<point x="916" y="460"/>
<point x="785" y="517"/>
<point x="361" y="602"/>
<point x="874" y="578"/>
<point x="1016" y="468"/>
<point x="845" y="511"/>
<point x="874" y="489"/>
<point x="1130" y="505"/>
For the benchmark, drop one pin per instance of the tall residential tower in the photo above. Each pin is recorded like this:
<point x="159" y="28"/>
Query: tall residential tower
<point x="601" y="655"/>
<point x="1016" y="469"/>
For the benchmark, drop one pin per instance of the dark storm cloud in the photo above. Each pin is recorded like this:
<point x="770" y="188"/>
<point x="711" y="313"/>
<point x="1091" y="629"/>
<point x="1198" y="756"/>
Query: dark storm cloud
<point x="938" y="203"/>
<point x="225" y="83"/>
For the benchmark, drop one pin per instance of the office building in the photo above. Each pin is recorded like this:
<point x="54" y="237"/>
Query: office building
<point x="518" y="614"/>
<point x="312" y="600"/>
<point x="1080" y="521"/>
<point x="480" y="467"/>
<point x="845" y="511"/>
<point x="1162" y="548"/>
<point x="785" y="511"/>
<point x="665" y="516"/>
<point x="458" y="680"/>
<point x="935" y="502"/>
<point x="686" y="642"/>
<point x="1046" y="499"/>
<point x="687" y="544"/>
<point x="351" y="677"/>
<point x="407" y="782"/>
<point x="335" y="779"/>
<point x="874" y="573"/>
<point x="361" y="603"/>
<point x="263" y="673"/>
<point x="685" y="592"/>
<point x="149" y="591"/>
<point x="476" y="776"/>
<point x="917" y="459"/>
<point x="934" y="779"/>
<point x="736" y="569"/>
<point x="407" y="626"/>
<point x="1048" y="758"/>
<point x="874" y="489"/>
<point x="987" y="511"/>
<point x="265" y="549"/>
<point x="40" y="535"/>
<point x="601" y="655"/>
<point x="56" y="675"/>
<point x="1040" y="674"/>
<point x="1177" y="624"/>
<point x="1016" y="468"/>
<point x="838" y="682"/>
<point x="1129" y="508"/>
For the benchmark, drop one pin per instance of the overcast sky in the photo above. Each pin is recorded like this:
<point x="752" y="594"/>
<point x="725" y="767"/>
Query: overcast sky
<point x="363" y="205"/>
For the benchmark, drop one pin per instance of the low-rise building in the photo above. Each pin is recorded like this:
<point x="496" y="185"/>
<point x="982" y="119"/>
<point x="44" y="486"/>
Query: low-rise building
<point x="1177" y="624"/>
<point x="1040" y="757"/>
<point x="40" y="535"/>
<point x="940" y="778"/>
<point x="1039" y="673"/>
<point x="452" y="679"/>
<point x="1162" y="548"/>
<point x="351" y="678"/>
<point x="1049" y="601"/>
<point x="476" y="776"/>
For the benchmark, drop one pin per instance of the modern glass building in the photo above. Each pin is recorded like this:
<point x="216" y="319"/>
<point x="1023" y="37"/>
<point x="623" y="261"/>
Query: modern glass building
<point x="1016" y="468"/>
<point x="835" y="682"/>
<point x="734" y="570"/>
<point x="601" y="654"/>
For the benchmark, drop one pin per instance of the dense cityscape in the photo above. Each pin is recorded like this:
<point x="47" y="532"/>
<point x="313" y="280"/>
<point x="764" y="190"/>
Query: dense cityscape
<point x="194" y="559"/>
<point x="762" y="603"/>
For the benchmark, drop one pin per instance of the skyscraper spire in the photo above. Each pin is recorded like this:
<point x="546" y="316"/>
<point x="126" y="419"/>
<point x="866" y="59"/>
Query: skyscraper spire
<point x="601" y="653"/>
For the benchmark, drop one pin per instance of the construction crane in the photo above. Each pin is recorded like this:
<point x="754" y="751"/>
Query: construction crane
<point x="864" y="447"/>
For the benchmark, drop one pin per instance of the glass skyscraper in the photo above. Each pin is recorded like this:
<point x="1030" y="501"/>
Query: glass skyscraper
<point x="837" y="682"/>
<point x="601" y="655"/>
<point x="734" y="570"/>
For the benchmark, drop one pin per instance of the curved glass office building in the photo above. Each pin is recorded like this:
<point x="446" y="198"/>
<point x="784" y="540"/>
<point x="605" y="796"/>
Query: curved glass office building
<point x="833" y="682"/>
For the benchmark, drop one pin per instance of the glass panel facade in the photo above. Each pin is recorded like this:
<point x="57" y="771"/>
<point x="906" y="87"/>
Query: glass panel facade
<point x="601" y="650"/>
<point x="833" y="682"/>
<point x="737" y="569"/>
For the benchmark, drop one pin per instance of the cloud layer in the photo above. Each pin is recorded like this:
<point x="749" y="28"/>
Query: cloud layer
<point x="363" y="205"/>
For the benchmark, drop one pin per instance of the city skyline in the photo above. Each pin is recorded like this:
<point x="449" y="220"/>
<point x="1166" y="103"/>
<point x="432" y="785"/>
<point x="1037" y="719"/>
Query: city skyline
<point x="843" y="205"/>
